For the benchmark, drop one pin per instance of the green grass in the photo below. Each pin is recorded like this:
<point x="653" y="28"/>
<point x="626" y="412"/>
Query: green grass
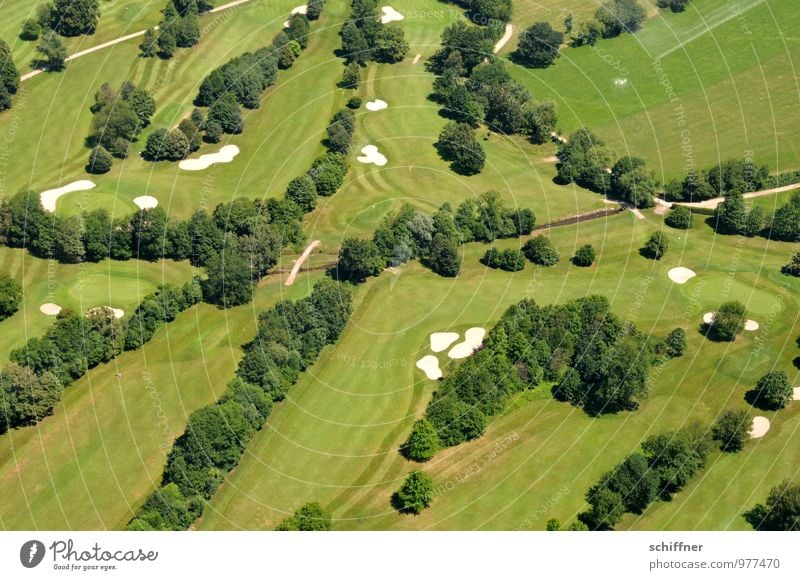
<point x="78" y="287"/>
<point x="335" y="439"/>
<point x="103" y="450"/>
<point x="730" y="72"/>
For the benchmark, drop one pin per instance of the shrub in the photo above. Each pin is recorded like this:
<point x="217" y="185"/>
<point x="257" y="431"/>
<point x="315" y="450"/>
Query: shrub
<point x="584" y="256"/>
<point x="10" y="295"/>
<point x="354" y="103"/>
<point x="100" y="161"/>
<point x="732" y="430"/>
<point x="773" y="390"/>
<point x="457" y="144"/>
<point x="728" y="321"/>
<point x="679" y="217"/>
<point x="793" y="267"/>
<point x="540" y="250"/>
<point x="656" y="246"/>
<point x="509" y="260"/>
<point x="415" y="494"/>
<point x="674" y="344"/>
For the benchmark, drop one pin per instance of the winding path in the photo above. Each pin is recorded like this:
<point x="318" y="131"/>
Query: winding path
<point x="125" y="38"/>
<point x="299" y="262"/>
<point x="506" y="37"/>
<point x="713" y="203"/>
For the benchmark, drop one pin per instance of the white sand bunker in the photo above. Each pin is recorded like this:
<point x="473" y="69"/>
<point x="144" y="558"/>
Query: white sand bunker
<point x="759" y="427"/>
<point x="751" y="325"/>
<point x="225" y="155"/>
<point x="442" y="340"/>
<point x="118" y="312"/>
<point x="146" y="202"/>
<point x="430" y="366"/>
<point x="302" y="9"/>
<point x="390" y="15"/>
<point x="473" y="338"/>
<point x="708" y="318"/>
<point x="50" y="309"/>
<point x="796" y="394"/>
<point x="416" y="59"/>
<point x="681" y="275"/>
<point x="370" y="154"/>
<point x="49" y="197"/>
<point x="376" y="105"/>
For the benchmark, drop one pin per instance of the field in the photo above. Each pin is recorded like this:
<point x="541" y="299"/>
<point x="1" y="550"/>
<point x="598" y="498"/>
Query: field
<point x="335" y="438"/>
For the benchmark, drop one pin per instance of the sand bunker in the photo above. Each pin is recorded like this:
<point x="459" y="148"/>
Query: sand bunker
<point x="225" y="155"/>
<point x="376" y="105"/>
<point x="759" y="427"/>
<point x="751" y="325"/>
<point x="390" y="15"/>
<point x="796" y="394"/>
<point x="442" y="340"/>
<point x="430" y="366"/>
<point x="49" y="197"/>
<point x="416" y="59"/>
<point x="369" y="154"/>
<point x="302" y="9"/>
<point x="50" y="309"/>
<point x="118" y="312"/>
<point x="145" y="202"/>
<point x="681" y="275"/>
<point x="473" y="338"/>
<point x="708" y="318"/>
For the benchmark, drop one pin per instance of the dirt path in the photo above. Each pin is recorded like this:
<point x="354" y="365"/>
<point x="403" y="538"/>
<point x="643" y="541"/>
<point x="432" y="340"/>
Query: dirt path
<point x="713" y="203"/>
<point x="506" y="37"/>
<point x="121" y="39"/>
<point x="299" y="262"/>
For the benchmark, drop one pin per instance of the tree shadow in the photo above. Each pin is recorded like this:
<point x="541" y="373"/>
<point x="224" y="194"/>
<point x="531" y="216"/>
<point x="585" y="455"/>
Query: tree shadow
<point x="397" y="504"/>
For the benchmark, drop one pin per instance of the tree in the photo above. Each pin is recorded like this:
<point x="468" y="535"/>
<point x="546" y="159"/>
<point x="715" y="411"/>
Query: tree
<point x="444" y="258"/>
<point x="754" y="223"/>
<point x="167" y="43"/>
<point x="302" y="191"/>
<point x="314" y="9"/>
<point x="191" y="132"/>
<point x="457" y="144"/>
<point x="785" y="224"/>
<point x="781" y="512"/>
<point x="298" y="29"/>
<point x="606" y="509"/>
<point x="351" y="76"/>
<point x="53" y="53"/>
<point x="97" y="235"/>
<point x="187" y="28"/>
<point x="485" y="11"/>
<point x="359" y="259"/>
<point x="31" y="30"/>
<point x="354" y="45"/>
<point x="793" y="267"/>
<point x="730" y="215"/>
<point x="422" y="443"/>
<point x="75" y="17"/>
<point x="309" y="518"/>
<point x="100" y="161"/>
<point x="618" y="16"/>
<point x="471" y="42"/>
<point x="584" y="160"/>
<point x="149" y="45"/>
<point x="328" y="172"/>
<point x="656" y="246"/>
<point x="415" y="494"/>
<point x="732" y="429"/>
<point x="225" y="112"/>
<point x="773" y="390"/>
<point x="584" y="256"/>
<point x="10" y="295"/>
<point x="26" y="397"/>
<point x="674" y="5"/>
<point x="391" y="45"/>
<point x="679" y="217"/>
<point x="143" y="104"/>
<point x="165" y="509"/>
<point x="540" y="250"/>
<point x="540" y="120"/>
<point x="166" y="145"/>
<point x="675" y="343"/>
<point x="589" y="32"/>
<point x="5" y="98"/>
<point x="728" y="321"/>
<point x="229" y="281"/>
<point x="538" y="45"/>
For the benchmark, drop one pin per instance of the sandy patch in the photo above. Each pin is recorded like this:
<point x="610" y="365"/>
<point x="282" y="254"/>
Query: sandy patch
<point x="299" y="262"/>
<point x="551" y="159"/>
<point x="50" y="309"/>
<point x="49" y="197"/>
<point x="796" y="394"/>
<point x="370" y="154"/>
<point x="473" y="338"/>
<point x="416" y="59"/>
<point x="429" y="364"/>
<point x="302" y="9"/>
<point x="505" y="38"/>
<point x="442" y="340"/>
<point x="118" y="312"/>
<point x="759" y="427"/>
<point x="751" y="325"/>
<point x="681" y="275"/>
<point x="145" y="202"/>
<point x="287" y="24"/>
<point x="708" y="318"/>
<point x="376" y="105"/>
<point x="390" y="15"/>
<point x="224" y="155"/>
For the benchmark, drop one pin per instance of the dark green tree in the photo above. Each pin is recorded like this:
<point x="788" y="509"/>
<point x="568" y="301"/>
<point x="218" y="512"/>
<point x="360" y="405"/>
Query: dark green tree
<point x="97" y="235"/>
<point x="773" y="390"/>
<point x="674" y="5"/>
<point x="675" y="343"/>
<point x="302" y="191"/>
<point x="444" y="258"/>
<point x="728" y="321"/>
<point x="415" y="494"/>
<point x="309" y="518"/>
<point x="10" y="295"/>
<point x="731" y="215"/>
<point x="75" y="17"/>
<point x="298" y="29"/>
<point x="781" y="511"/>
<point x="149" y="45"/>
<point x="229" y="281"/>
<point x="618" y="16"/>
<point x="52" y="51"/>
<point x="359" y="259"/>
<point x="225" y="112"/>
<point x="605" y="511"/>
<point x="100" y="161"/>
<point x="540" y="250"/>
<point x="679" y="217"/>
<point x="391" y="45"/>
<point x="31" y="30"/>
<point x="457" y="144"/>
<point x="314" y="9"/>
<point x="538" y="45"/>
<point x="584" y="256"/>
<point x="793" y="267"/>
<point x="732" y="429"/>
<point x="354" y="45"/>
<point x="422" y="443"/>
<point x="656" y="246"/>
<point x="351" y="76"/>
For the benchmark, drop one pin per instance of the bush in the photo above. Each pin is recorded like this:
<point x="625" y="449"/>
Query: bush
<point x="444" y="258"/>
<point x="354" y="103"/>
<point x="679" y="217"/>
<point x="656" y="246"/>
<point x="351" y="76"/>
<point x="10" y="295"/>
<point x="618" y="16"/>
<point x="508" y="260"/>
<point x="415" y="494"/>
<point x="728" y="321"/>
<point x="422" y="443"/>
<point x="732" y="430"/>
<point x="100" y="161"/>
<point x="584" y="256"/>
<point x="773" y="390"/>
<point x="674" y="5"/>
<point x="540" y="250"/>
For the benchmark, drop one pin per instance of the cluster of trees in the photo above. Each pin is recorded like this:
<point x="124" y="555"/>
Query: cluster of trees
<point x="593" y="359"/>
<point x="665" y="465"/>
<point x="541" y="251"/>
<point x="510" y="260"/>
<point x="728" y="322"/>
<point x="731" y="217"/>
<point x="781" y="511"/>
<point x="366" y="38"/>
<point x="415" y="494"/>
<point x="290" y="337"/>
<point x="119" y="117"/>
<point x="64" y="17"/>
<point x="10" y="295"/>
<point x="613" y="18"/>
<point x="179" y="28"/>
<point x="9" y="77"/>
<point x="458" y="145"/>
<point x="727" y="178"/>
<point x="41" y="369"/>
<point x="311" y="517"/>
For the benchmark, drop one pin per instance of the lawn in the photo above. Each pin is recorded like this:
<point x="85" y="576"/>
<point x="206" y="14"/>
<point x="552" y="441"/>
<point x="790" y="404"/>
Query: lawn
<point x="692" y="88"/>
<point x="335" y="439"/>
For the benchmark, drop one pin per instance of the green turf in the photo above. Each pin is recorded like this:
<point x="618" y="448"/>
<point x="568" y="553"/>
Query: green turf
<point x="335" y="439"/>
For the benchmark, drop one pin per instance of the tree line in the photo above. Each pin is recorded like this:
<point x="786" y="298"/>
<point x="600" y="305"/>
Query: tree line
<point x="9" y="77"/>
<point x="289" y="339"/>
<point x="179" y="28"/>
<point x="10" y="295"/>
<point x="39" y="371"/>
<point x="731" y="217"/>
<point x="593" y="360"/>
<point x="365" y="38"/>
